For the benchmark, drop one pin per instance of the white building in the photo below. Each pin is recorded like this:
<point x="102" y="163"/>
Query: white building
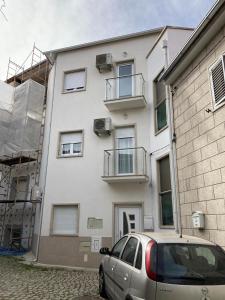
<point x="98" y="178"/>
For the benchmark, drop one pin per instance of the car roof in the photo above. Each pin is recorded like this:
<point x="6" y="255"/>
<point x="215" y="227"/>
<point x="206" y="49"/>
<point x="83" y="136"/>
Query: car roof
<point x="172" y="237"/>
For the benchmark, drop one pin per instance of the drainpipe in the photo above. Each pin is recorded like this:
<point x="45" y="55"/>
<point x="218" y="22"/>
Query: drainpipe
<point x="46" y="166"/>
<point x="173" y="163"/>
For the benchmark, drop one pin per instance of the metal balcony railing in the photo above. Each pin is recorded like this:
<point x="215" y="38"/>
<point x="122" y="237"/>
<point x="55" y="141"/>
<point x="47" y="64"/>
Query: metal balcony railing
<point x="124" y="87"/>
<point x="125" y="162"/>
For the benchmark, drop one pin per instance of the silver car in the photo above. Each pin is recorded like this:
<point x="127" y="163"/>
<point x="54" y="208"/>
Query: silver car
<point x="157" y="266"/>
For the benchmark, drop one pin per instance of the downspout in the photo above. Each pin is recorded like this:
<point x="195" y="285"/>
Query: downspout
<point x="172" y="137"/>
<point x="46" y="167"/>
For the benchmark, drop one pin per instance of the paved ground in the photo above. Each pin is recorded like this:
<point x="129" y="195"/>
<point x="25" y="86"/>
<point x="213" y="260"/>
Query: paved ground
<point x="22" y="282"/>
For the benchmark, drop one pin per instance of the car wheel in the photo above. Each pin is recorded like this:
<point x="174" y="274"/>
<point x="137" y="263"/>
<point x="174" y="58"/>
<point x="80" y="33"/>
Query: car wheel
<point x="102" y="291"/>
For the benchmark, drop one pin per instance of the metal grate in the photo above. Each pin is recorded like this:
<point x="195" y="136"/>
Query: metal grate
<point x="218" y="81"/>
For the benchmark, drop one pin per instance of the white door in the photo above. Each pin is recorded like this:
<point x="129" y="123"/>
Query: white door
<point x="125" y="158"/>
<point x="127" y="219"/>
<point x="125" y="80"/>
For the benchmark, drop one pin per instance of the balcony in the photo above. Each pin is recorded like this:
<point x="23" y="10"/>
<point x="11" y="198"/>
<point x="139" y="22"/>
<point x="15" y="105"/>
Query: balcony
<point x="125" y="92"/>
<point x="125" y="165"/>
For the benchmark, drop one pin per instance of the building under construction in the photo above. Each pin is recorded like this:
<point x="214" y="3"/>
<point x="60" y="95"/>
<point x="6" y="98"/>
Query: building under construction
<point x="22" y="109"/>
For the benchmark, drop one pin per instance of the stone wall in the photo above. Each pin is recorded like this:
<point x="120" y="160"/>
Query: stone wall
<point x="201" y="145"/>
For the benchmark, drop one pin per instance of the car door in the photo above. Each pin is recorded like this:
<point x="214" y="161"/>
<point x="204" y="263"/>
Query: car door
<point x="110" y="265"/>
<point x="123" y="269"/>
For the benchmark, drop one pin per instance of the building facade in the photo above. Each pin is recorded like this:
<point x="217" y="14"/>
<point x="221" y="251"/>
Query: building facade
<point x="197" y="83"/>
<point x="98" y="177"/>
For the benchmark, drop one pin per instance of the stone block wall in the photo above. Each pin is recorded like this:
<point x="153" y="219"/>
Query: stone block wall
<point x="200" y="145"/>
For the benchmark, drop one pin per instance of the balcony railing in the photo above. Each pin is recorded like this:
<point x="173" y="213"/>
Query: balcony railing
<point x="125" y="92"/>
<point x="125" y="165"/>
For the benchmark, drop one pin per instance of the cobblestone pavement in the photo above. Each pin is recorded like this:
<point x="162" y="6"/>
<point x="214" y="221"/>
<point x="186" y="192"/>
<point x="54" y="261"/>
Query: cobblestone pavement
<point x="22" y="282"/>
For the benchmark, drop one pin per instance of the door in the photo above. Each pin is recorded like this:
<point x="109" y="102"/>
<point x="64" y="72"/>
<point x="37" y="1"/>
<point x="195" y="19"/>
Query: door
<point x="125" y="80"/>
<point x="125" y="152"/>
<point x="127" y="219"/>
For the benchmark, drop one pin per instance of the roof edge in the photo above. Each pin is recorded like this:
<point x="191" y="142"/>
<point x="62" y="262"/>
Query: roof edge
<point x="103" y="41"/>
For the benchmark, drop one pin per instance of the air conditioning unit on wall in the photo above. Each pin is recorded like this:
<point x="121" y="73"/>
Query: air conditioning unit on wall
<point x="104" y="62"/>
<point x="102" y="126"/>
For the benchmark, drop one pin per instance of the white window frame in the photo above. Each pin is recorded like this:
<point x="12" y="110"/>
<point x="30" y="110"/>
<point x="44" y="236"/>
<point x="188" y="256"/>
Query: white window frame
<point x="77" y="217"/>
<point x="164" y="192"/>
<point x="156" y="105"/>
<point x="70" y="154"/>
<point x="222" y="101"/>
<point x="64" y="91"/>
<point x="116" y="159"/>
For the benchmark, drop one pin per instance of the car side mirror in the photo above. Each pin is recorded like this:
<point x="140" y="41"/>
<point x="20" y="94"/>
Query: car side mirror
<point x="105" y="251"/>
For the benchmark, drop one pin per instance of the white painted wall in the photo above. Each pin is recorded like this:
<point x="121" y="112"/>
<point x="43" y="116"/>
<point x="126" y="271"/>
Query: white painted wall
<point x="78" y="179"/>
<point x="159" y="143"/>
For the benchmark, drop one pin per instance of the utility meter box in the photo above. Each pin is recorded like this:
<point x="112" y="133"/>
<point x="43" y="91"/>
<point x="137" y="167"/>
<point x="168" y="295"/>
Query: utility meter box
<point x="198" y="220"/>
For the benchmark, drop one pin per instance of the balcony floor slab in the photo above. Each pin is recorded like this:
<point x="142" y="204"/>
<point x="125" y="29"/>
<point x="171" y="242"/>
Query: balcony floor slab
<point x="125" y="103"/>
<point x="125" y="178"/>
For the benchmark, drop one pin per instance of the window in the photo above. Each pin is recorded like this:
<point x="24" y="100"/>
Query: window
<point x="125" y="80"/>
<point x="65" y="220"/>
<point x="129" y="251"/>
<point x="217" y="75"/>
<point x="71" y="143"/>
<point x="165" y="192"/>
<point x="74" y="80"/>
<point x="118" y="247"/>
<point x="190" y="264"/>
<point x="160" y="103"/>
<point x="138" y="263"/>
<point x="125" y="143"/>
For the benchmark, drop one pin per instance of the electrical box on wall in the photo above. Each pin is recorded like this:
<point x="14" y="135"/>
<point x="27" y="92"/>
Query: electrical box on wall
<point x="198" y="220"/>
<point x="148" y="223"/>
<point x="96" y="243"/>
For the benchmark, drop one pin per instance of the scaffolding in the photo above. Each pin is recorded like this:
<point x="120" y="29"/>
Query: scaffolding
<point x="21" y="151"/>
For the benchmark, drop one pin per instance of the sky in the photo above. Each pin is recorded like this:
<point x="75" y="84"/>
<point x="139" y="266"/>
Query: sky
<point x="52" y="24"/>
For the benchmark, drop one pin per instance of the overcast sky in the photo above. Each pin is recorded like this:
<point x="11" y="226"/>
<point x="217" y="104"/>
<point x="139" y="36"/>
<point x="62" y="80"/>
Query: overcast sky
<point x="59" y="23"/>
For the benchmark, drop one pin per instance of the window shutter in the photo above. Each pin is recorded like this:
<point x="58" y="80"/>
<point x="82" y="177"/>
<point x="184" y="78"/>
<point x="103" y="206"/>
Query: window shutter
<point x="218" y="81"/>
<point x="65" y="220"/>
<point x="74" y="80"/>
<point x="71" y="137"/>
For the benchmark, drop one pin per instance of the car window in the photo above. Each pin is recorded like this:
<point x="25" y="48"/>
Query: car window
<point x="129" y="251"/>
<point x="191" y="264"/>
<point x="205" y="253"/>
<point x="138" y="263"/>
<point x="118" y="247"/>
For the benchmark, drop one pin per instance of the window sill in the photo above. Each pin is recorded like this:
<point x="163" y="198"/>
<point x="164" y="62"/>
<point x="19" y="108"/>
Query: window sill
<point x="167" y="227"/>
<point x="74" y="91"/>
<point x="70" y="156"/>
<point x="63" y="235"/>
<point x="161" y="130"/>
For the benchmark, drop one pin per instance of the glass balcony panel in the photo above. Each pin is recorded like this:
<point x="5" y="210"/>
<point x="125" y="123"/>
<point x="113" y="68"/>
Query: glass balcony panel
<point x="126" y="91"/>
<point x="127" y="164"/>
<point x="125" y="87"/>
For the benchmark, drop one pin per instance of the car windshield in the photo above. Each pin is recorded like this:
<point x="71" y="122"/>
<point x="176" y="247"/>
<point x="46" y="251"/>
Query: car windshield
<point x="194" y="264"/>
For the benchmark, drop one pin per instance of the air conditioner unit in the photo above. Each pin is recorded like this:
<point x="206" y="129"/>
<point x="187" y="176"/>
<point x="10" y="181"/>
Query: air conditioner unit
<point x="102" y="126"/>
<point x="104" y="62"/>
